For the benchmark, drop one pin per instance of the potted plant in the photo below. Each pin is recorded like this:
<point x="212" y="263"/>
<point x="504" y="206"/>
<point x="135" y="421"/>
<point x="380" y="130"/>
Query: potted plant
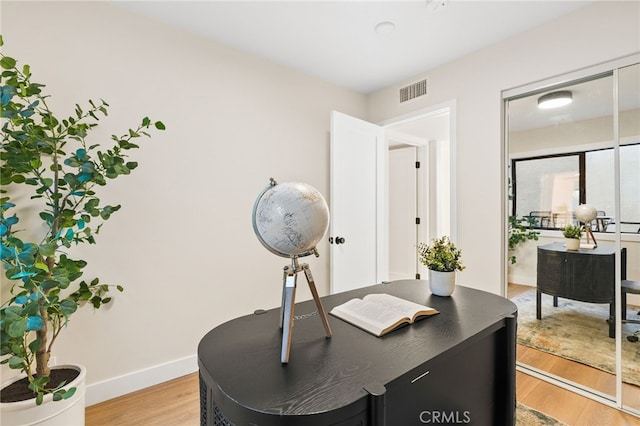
<point x="443" y="259"/>
<point x="572" y="234"/>
<point x="50" y="168"/>
<point x="520" y="230"/>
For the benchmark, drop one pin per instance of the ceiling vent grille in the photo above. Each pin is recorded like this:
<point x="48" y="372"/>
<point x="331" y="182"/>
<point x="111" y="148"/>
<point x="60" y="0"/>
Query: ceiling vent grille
<point x="413" y="91"/>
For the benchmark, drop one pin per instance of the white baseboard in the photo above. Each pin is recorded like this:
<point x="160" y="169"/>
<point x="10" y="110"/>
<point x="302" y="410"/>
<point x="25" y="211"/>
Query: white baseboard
<point x="522" y="279"/>
<point x="127" y="383"/>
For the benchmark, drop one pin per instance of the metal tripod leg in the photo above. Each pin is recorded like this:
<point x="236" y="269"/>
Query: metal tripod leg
<point x="316" y="298"/>
<point x="286" y="311"/>
<point x="288" y="305"/>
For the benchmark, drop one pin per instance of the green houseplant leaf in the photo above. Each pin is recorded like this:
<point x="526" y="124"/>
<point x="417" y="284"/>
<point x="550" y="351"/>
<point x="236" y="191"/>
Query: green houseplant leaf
<point x="572" y="231"/>
<point x="442" y="255"/>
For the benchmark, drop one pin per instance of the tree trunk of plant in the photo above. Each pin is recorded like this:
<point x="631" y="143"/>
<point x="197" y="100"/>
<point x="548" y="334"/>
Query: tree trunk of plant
<point x="42" y="354"/>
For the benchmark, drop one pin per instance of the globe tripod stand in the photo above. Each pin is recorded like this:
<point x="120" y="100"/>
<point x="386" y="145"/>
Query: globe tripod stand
<point x="288" y="304"/>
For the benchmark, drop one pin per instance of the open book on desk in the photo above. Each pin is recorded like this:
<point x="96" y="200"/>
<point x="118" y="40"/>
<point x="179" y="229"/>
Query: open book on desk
<point x="381" y="313"/>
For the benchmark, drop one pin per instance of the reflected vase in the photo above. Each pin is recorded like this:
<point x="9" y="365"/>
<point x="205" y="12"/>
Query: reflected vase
<point x="572" y="243"/>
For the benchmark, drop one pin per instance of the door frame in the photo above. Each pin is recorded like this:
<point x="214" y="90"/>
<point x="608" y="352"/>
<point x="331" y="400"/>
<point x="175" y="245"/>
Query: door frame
<point x="383" y="172"/>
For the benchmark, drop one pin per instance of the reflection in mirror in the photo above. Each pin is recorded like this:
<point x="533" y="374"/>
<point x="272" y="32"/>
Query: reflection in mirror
<point x="629" y="106"/>
<point x="547" y="149"/>
<point x="559" y="159"/>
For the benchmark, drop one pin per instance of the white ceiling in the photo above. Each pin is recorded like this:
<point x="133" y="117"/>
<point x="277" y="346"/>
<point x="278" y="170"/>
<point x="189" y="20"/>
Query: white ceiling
<point x="336" y="40"/>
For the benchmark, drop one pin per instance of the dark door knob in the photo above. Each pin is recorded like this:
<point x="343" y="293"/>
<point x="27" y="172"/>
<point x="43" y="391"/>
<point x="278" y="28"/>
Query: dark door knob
<point x="339" y="240"/>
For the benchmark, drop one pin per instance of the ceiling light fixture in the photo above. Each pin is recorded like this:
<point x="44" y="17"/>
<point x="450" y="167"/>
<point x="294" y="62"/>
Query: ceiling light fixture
<point x="385" y="28"/>
<point x="555" y="99"/>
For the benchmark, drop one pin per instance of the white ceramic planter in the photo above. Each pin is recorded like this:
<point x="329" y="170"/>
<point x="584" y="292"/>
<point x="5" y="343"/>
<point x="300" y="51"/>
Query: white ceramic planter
<point x="442" y="283"/>
<point x="68" y="412"/>
<point x="572" y="243"/>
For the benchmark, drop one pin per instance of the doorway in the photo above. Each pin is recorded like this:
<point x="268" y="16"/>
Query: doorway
<point x="359" y="188"/>
<point x="419" y="188"/>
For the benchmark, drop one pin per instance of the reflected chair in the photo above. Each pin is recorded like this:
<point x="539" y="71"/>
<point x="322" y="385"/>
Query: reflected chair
<point x="542" y="218"/>
<point x="629" y="287"/>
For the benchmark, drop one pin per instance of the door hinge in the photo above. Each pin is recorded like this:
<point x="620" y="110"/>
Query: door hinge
<point x="417" y="221"/>
<point x="417" y="164"/>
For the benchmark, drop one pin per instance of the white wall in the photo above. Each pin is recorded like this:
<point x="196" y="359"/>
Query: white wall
<point x="183" y="244"/>
<point x="594" y="34"/>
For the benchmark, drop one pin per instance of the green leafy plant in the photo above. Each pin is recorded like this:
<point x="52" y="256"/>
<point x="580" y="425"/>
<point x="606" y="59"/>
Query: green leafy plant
<point x="49" y="158"/>
<point x="442" y="255"/>
<point x="520" y="232"/>
<point x="572" y="231"/>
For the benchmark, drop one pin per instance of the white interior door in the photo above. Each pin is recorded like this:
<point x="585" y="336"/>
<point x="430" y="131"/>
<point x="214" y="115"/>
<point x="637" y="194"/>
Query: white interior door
<point x="357" y="203"/>
<point x="403" y="212"/>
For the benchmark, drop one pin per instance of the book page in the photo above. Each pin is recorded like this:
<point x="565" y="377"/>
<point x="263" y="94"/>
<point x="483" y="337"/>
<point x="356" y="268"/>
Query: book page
<point x="369" y="316"/>
<point x="404" y="307"/>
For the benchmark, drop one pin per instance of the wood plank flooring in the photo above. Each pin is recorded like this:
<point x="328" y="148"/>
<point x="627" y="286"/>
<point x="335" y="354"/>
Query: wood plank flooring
<point x="566" y="406"/>
<point x="173" y="403"/>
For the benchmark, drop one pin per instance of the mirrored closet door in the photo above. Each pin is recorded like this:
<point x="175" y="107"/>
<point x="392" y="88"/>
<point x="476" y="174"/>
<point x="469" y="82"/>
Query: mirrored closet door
<point x="629" y="177"/>
<point x="573" y="160"/>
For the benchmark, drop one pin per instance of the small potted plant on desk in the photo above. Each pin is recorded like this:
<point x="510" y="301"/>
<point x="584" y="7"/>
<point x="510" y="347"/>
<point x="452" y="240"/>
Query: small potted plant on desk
<point x="443" y="259"/>
<point x="49" y="171"/>
<point x="572" y="235"/>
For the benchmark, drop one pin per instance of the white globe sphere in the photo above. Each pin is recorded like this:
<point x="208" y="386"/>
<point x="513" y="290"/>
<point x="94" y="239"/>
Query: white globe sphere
<point x="586" y="213"/>
<point x="290" y="218"/>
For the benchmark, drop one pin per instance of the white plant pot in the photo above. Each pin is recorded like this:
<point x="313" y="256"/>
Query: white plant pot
<point x="68" y="412"/>
<point x="572" y="243"/>
<point x="442" y="283"/>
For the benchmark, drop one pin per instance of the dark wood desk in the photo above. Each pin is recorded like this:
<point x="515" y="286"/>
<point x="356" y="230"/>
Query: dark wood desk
<point x="458" y="365"/>
<point x="587" y="275"/>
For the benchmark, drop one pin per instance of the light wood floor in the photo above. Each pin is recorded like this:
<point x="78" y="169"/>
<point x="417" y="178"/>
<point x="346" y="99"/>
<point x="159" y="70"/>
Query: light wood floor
<point x="174" y="403"/>
<point x="177" y="402"/>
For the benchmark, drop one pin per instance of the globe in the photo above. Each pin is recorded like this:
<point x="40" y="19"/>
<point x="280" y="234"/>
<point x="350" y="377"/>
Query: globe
<point x="290" y="218"/>
<point x="586" y="213"/>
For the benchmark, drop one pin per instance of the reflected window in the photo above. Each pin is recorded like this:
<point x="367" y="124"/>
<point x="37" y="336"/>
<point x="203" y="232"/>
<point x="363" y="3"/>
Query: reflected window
<point x="546" y="190"/>
<point x="629" y="194"/>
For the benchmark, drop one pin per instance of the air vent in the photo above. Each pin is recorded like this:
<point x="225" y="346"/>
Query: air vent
<point x="413" y="91"/>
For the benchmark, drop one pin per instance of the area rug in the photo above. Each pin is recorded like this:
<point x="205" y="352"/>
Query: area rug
<point x="577" y="331"/>
<point x="527" y="416"/>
